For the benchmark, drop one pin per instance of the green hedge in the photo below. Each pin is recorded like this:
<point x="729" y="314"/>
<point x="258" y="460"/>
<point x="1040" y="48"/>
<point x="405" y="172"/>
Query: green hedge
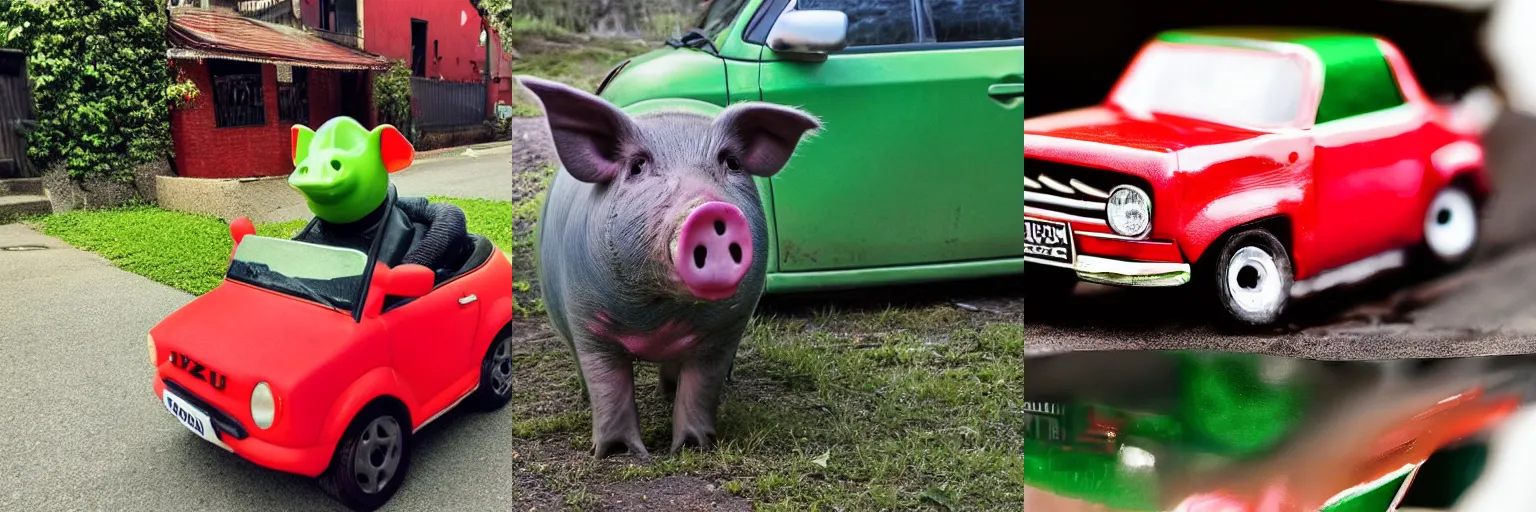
<point x="101" y="80"/>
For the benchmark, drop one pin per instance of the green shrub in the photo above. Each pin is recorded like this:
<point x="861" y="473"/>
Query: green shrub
<point x="392" y="96"/>
<point x="101" y="80"/>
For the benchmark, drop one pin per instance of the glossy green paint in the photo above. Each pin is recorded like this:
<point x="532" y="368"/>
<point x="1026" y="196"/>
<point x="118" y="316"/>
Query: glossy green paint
<point x="914" y="177"/>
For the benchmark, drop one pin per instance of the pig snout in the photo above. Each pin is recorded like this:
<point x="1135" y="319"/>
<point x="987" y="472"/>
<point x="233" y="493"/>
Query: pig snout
<point x="713" y="251"/>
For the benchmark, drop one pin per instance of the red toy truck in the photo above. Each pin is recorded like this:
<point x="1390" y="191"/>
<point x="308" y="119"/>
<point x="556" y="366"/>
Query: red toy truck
<point x="1259" y="164"/>
<point x="321" y="361"/>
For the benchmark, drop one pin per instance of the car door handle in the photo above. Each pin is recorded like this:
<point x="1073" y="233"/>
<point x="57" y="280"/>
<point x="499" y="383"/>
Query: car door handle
<point x="1005" y="90"/>
<point x="465" y="300"/>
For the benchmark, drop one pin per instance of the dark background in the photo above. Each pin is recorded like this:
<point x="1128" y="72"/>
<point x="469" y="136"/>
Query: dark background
<point x="1076" y="49"/>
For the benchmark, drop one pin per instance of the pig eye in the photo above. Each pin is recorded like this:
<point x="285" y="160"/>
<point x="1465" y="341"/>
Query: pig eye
<point x="636" y="166"/>
<point x="732" y="163"/>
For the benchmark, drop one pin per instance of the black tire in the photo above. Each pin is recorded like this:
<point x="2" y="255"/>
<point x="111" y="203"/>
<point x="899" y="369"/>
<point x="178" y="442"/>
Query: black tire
<point x="1256" y="293"/>
<point x="341" y="479"/>
<point x="1452" y="231"/>
<point x="495" y="374"/>
<point x="1047" y="289"/>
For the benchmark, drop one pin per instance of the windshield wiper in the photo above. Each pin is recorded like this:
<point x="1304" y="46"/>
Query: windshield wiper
<point x="695" y="39"/>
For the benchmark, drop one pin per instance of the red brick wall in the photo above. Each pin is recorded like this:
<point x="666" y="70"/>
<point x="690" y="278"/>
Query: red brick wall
<point x="203" y="151"/>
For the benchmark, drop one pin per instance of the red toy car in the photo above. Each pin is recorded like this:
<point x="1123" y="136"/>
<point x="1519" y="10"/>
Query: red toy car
<point x="321" y="361"/>
<point x="1262" y="164"/>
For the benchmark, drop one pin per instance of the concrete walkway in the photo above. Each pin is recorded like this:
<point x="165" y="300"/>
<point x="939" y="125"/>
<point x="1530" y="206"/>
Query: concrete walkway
<point x="83" y="431"/>
<point x="475" y="172"/>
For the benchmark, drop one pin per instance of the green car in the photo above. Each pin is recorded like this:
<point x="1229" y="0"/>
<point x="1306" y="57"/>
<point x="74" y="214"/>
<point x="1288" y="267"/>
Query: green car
<point x="915" y="176"/>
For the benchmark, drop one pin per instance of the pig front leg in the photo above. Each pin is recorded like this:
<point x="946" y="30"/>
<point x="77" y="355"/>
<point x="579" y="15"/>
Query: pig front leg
<point x="700" y="386"/>
<point x="610" y="382"/>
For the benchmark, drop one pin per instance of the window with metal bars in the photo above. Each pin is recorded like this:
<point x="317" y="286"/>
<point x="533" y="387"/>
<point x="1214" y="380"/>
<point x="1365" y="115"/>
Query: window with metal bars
<point x="293" y="98"/>
<point x="237" y="94"/>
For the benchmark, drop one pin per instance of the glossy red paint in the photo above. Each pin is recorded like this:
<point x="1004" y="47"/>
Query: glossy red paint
<point x="323" y="367"/>
<point x="1347" y="189"/>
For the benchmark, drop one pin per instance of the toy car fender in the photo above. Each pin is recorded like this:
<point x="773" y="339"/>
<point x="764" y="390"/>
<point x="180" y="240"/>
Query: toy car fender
<point x="376" y="384"/>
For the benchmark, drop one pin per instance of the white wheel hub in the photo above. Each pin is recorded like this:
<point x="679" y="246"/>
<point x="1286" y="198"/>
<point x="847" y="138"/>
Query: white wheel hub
<point x="1450" y="225"/>
<point x="1253" y="281"/>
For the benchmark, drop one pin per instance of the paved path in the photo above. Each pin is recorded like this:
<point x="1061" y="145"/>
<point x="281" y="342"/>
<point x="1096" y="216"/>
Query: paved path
<point x="474" y="174"/>
<point x="1488" y="309"/>
<point x="83" y="431"/>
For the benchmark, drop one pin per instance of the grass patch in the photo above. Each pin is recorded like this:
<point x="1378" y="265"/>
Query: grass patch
<point x="580" y="65"/>
<point x="888" y="410"/>
<point x="190" y="252"/>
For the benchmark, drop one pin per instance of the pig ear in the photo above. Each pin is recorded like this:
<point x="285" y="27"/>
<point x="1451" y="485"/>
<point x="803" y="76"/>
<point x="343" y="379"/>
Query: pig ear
<point x="301" y="136"/>
<point x="394" y="150"/>
<point x="764" y="134"/>
<point x="588" y="131"/>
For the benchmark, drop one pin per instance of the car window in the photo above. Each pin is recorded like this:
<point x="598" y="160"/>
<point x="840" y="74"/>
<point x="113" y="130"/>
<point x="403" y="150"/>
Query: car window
<point x="327" y="275"/>
<point x="1358" y="79"/>
<point x="871" y="22"/>
<point x="719" y="16"/>
<point x="1250" y="88"/>
<point x="956" y="21"/>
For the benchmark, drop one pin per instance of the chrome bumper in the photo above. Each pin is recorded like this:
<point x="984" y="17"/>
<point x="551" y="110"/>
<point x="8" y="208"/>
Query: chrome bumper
<point x="1094" y="269"/>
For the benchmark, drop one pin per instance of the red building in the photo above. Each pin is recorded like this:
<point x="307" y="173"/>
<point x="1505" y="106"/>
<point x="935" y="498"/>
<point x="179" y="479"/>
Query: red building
<point x="261" y="67"/>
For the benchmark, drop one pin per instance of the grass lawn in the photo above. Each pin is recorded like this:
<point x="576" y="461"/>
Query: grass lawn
<point x="190" y="251"/>
<point x="878" y="409"/>
<point x="548" y="51"/>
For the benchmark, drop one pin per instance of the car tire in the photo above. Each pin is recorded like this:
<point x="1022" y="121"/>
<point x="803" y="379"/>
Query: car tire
<point x="1047" y="289"/>
<point x="1250" y="276"/>
<point x="1452" y="231"/>
<point x="371" y="460"/>
<point x="495" y="388"/>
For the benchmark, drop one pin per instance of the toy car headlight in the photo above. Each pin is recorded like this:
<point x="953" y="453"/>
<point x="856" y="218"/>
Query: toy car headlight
<point x="154" y="360"/>
<point x="1129" y="211"/>
<point x="263" y="406"/>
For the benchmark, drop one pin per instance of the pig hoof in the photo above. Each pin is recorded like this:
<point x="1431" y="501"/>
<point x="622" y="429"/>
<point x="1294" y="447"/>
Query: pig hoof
<point x="703" y="440"/>
<point x="618" y="446"/>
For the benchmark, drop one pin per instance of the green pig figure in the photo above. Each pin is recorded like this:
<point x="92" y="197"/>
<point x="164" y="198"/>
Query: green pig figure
<point x="342" y="169"/>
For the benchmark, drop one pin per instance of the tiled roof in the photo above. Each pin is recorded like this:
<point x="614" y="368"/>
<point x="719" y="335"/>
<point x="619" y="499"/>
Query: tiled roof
<point x="209" y="34"/>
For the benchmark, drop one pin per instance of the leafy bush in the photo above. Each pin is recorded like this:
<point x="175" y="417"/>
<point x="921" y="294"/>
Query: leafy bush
<point x="392" y="96"/>
<point x="101" y="81"/>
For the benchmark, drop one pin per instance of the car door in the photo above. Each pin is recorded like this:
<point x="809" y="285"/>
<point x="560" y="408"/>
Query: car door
<point x="431" y="341"/>
<point x="920" y="158"/>
<point x="1368" y="164"/>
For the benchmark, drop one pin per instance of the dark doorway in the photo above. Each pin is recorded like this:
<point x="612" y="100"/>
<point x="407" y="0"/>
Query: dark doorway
<point x="418" y="48"/>
<point x="354" y="96"/>
<point x="16" y="115"/>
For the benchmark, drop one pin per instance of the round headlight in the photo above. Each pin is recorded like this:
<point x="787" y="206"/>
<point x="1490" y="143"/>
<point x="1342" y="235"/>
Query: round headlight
<point x="1129" y="211"/>
<point x="263" y="406"/>
<point x="154" y="360"/>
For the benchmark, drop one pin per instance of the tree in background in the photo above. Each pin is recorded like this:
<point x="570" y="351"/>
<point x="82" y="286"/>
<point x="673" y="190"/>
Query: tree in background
<point x="101" y="80"/>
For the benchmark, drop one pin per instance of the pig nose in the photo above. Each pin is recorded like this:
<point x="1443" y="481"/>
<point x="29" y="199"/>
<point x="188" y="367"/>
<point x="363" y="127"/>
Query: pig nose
<point x="714" y="250"/>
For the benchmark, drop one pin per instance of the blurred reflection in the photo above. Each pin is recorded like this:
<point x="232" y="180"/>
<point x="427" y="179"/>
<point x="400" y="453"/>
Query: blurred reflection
<point x="1208" y="431"/>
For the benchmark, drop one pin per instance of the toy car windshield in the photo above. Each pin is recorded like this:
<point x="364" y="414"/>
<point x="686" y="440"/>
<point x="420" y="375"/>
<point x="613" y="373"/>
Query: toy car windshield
<point x="1233" y="86"/>
<point x="331" y="276"/>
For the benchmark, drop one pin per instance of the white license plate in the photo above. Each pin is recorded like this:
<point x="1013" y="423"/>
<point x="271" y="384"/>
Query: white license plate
<point x="1049" y="242"/>
<point x="193" y="418"/>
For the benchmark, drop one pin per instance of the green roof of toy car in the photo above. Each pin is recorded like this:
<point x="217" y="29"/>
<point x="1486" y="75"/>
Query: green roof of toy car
<point x="1356" y="75"/>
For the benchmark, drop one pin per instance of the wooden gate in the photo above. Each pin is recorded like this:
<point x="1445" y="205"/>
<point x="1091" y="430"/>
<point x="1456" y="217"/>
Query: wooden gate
<point x="15" y="115"/>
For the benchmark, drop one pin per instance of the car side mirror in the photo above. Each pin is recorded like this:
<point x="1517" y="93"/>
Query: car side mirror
<point x="239" y="228"/>
<point x="809" y="34"/>
<point x="410" y="280"/>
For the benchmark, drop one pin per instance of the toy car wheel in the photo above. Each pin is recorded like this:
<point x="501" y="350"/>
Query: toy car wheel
<point x="372" y="459"/>
<point x="1451" y="229"/>
<point x="1252" y="277"/>
<point x="1047" y="288"/>
<point x="496" y="373"/>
